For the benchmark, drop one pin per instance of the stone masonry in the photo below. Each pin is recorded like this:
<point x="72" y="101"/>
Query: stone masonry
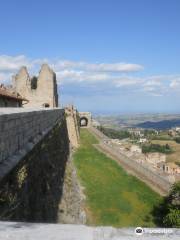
<point x="20" y="127"/>
<point x="32" y="190"/>
<point x="40" y="91"/>
<point x="72" y="120"/>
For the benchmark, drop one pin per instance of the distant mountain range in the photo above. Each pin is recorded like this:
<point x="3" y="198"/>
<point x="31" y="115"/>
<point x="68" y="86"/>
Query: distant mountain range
<point x="148" y="121"/>
<point x="160" y="125"/>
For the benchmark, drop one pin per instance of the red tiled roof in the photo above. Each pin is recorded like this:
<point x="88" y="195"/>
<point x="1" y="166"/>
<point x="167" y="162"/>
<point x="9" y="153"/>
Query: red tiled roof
<point x="6" y="93"/>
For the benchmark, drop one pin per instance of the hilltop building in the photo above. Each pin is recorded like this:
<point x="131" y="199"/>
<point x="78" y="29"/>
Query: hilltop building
<point x="136" y="149"/>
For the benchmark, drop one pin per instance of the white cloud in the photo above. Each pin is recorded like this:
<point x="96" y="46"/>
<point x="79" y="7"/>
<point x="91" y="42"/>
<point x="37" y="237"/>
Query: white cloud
<point x="68" y="71"/>
<point x="111" y="75"/>
<point x="5" y="78"/>
<point x="175" y="84"/>
<point x="73" y="76"/>
<point x="156" y="94"/>
<point x="9" y="63"/>
<point x="68" y="76"/>
<point x="152" y="83"/>
<point x="97" y="67"/>
<point x="114" y="67"/>
<point x="127" y="81"/>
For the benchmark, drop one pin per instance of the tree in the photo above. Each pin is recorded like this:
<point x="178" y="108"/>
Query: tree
<point x="167" y="214"/>
<point x="112" y="133"/>
<point x="156" y="148"/>
<point x="172" y="219"/>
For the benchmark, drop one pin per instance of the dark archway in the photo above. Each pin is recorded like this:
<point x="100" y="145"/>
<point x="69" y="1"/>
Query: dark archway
<point x="83" y="122"/>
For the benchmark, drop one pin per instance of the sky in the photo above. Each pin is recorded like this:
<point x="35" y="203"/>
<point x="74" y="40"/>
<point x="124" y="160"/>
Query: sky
<point x="110" y="56"/>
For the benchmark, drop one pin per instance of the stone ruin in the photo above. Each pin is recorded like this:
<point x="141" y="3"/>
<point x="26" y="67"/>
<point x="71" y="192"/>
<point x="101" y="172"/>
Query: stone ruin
<point x="40" y="91"/>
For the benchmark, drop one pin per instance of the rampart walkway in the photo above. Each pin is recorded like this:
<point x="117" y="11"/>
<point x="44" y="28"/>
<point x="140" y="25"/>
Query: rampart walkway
<point x="32" y="231"/>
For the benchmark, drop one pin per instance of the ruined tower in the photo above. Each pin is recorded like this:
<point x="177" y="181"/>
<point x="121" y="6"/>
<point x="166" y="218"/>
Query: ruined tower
<point x="40" y="91"/>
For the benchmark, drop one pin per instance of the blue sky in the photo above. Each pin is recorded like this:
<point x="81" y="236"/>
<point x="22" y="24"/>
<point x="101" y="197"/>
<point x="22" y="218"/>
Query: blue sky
<point x="110" y="56"/>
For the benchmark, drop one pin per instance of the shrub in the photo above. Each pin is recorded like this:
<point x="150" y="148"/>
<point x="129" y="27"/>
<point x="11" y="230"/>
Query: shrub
<point x="156" y="148"/>
<point x="167" y="213"/>
<point x="115" y="134"/>
<point x="177" y="139"/>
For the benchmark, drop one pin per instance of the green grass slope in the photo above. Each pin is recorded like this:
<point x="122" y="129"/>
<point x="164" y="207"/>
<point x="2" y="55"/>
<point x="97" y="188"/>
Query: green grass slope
<point x="113" y="197"/>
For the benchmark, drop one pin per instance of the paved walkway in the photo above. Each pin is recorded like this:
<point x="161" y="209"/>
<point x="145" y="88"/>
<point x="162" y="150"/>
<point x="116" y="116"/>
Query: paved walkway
<point x="35" y="231"/>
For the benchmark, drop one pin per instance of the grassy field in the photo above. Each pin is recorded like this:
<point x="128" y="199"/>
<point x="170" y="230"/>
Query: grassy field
<point x="113" y="197"/>
<point x="175" y="156"/>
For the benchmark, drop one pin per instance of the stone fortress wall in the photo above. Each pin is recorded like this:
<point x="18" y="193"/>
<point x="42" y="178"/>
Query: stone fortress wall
<point x="20" y="128"/>
<point x="32" y="179"/>
<point x="72" y="119"/>
<point x="36" y="142"/>
<point x="40" y="91"/>
<point x="37" y="171"/>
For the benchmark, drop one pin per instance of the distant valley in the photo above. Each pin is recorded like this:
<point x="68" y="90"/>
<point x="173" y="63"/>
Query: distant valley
<point x="161" y="125"/>
<point x="147" y="121"/>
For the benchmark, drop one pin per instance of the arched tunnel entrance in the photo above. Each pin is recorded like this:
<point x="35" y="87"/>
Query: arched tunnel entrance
<point x="83" y="122"/>
<point x="85" y="119"/>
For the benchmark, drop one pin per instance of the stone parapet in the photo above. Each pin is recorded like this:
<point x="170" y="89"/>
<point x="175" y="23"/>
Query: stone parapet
<point x="31" y="231"/>
<point x="20" y="127"/>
